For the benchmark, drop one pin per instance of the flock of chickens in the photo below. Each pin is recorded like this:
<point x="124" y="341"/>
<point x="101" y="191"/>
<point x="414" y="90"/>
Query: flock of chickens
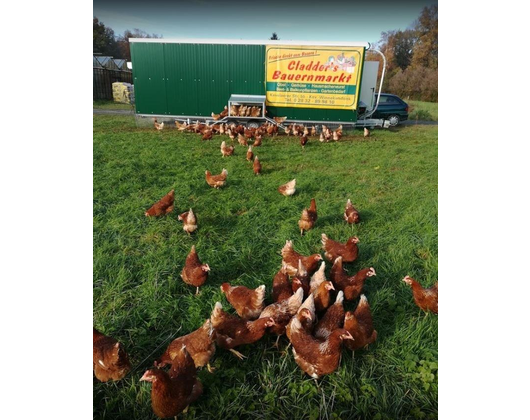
<point x="306" y="306"/>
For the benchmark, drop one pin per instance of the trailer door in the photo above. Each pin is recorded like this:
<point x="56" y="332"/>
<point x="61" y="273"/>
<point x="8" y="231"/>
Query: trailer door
<point x="369" y="82"/>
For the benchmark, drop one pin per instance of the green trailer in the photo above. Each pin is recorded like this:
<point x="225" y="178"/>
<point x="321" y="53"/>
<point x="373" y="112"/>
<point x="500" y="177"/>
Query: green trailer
<point x="307" y="82"/>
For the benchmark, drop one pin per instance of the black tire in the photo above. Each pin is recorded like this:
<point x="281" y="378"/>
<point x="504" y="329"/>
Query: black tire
<point x="393" y="120"/>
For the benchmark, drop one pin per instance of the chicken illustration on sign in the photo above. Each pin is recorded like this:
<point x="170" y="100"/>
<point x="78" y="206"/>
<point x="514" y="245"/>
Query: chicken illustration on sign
<point x="309" y="77"/>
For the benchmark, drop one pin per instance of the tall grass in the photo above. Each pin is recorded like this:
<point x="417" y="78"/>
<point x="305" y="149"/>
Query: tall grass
<point x="427" y="111"/>
<point x="140" y="299"/>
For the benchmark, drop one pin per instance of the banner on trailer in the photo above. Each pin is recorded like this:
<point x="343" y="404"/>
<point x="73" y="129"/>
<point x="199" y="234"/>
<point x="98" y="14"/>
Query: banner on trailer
<point x="313" y="77"/>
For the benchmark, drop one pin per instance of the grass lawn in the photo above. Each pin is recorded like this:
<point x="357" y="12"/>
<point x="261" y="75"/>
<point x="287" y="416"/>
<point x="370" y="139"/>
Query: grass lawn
<point x="423" y="110"/>
<point x="111" y="105"/>
<point x="140" y="299"/>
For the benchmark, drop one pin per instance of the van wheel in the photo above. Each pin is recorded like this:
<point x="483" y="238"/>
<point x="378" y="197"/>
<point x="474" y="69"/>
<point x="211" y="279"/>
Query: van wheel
<point x="393" y="120"/>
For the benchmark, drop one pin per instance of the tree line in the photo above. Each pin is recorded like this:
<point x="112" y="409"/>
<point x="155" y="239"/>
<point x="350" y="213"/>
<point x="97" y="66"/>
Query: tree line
<point x="106" y="42"/>
<point x="412" y="58"/>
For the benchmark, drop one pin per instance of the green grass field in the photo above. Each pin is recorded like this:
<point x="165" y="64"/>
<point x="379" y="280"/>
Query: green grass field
<point x="423" y="110"/>
<point x="140" y="299"/>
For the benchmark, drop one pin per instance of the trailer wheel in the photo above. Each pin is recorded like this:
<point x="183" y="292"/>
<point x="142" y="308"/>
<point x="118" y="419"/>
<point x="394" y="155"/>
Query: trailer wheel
<point x="393" y="120"/>
<point x="253" y="124"/>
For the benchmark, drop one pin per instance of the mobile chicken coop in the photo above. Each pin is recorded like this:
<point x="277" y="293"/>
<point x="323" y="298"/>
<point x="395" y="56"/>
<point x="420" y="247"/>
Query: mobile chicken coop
<point x="307" y="82"/>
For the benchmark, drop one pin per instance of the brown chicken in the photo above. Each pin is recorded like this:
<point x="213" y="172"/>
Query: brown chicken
<point x="199" y="344"/>
<point x="282" y="312"/>
<point x="332" y="319"/>
<point x="110" y="362"/>
<point x="303" y="141"/>
<point x="226" y="150"/>
<point x="351" y="215"/>
<point x="207" y="135"/>
<point x="333" y="249"/>
<point x="309" y="217"/>
<point x="250" y="155"/>
<point x="360" y="325"/>
<point x="248" y="303"/>
<point x="322" y="295"/>
<point x="164" y="206"/>
<point x="288" y="189"/>
<point x="281" y="287"/>
<point x="305" y="318"/>
<point x="317" y="278"/>
<point x="158" y="126"/>
<point x="249" y="133"/>
<point x="257" y="166"/>
<point x="172" y="392"/>
<point x="216" y="181"/>
<point x="242" y="140"/>
<point x="190" y="221"/>
<point x="313" y="131"/>
<point x="301" y="279"/>
<point x="316" y="357"/>
<point x="194" y="272"/>
<point x="181" y="126"/>
<point x="290" y="258"/>
<point x="232" y="331"/>
<point x="351" y="286"/>
<point x="426" y="299"/>
<point x="279" y="120"/>
<point x="257" y="142"/>
<point x="321" y="138"/>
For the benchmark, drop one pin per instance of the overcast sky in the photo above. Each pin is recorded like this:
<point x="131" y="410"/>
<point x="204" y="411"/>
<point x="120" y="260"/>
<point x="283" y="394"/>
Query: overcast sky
<point x="330" y="20"/>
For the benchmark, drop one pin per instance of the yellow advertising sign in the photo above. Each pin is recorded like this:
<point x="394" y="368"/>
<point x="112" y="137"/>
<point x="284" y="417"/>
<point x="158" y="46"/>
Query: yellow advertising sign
<point x="313" y="77"/>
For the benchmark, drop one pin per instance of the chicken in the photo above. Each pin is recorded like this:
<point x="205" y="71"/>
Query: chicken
<point x="316" y="357"/>
<point x="226" y="150"/>
<point x="222" y="129"/>
<point x="257" y="142"/>
<point x="257" y="166"/>
<point x="255" y="111"/>
<point x="282" y="312"/>
<point x="242" y="140"/>
<point x="190" y="221"/>
<point x="224" y="112"/>
<point x="351" y="286"/>
<point x="248" y="303"/>
<point x="216" y="116"/>
<point x="290" y="258"/>
<point x="207" y="135"/>
<point x="306" y="132"/>
<point x="366" y="132"/>
<point x="336" y="136"/>
<point x="426" y="299"/>
<point x="181" y="126"/>
<point x="172" y="392"/>
<point x="313" y="131"/>
<point x="231" y="134"/>
<point x="288" y="129"/>
<point x="309" y="304"/>
<point x="216" y="181"/>
<point x="332" y="319"/>
<point x="158" y="126"/>
<point x="234" y="110"/>
<point x="164" y="206"/>
<point x="322" y="139"/>
<point x="288" y="188"/>
<point x="303" y="141"/>
<point x="250" y="155"/>
<point x="322" y="296"/>
<point x="333" y="249"/>
<point x="232" y="331"/>
<point x="199" y="344"/>
<point x="281" y="287"/>
<point x="301" y="279"/>
<point x="110" y="361"/>
<point x="351" y="215"/>
<point x="249" y="133"/>
<point x="318" y="278"/>
<point x="305" y="318"/>
<point x="194" y="272"/>
<point x="279" y="120"/>
<point x="309" y="217"/>
<point x="360" y="325"/>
